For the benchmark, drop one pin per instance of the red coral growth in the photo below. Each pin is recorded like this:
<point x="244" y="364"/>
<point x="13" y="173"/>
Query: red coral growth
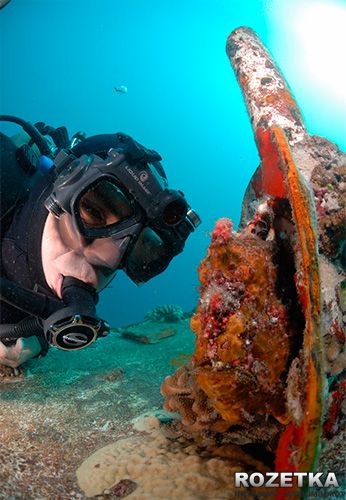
<point x="222" y="231"/>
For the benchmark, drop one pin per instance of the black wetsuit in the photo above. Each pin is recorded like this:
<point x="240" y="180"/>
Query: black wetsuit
<point x="21" y="248"/>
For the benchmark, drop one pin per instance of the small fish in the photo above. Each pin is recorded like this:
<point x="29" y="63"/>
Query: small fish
<point x="3" y="3"/>
<point x="122" y="89"/>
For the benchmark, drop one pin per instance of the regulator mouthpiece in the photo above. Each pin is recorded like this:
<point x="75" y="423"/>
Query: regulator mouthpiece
<point x="77" y="325"/>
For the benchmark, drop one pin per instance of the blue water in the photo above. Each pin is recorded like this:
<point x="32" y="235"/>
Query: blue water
<point x="60" y="61"/>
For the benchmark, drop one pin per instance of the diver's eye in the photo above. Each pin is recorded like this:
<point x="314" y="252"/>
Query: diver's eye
<point x="103" y="205"/>
<point x="91" y="214"/>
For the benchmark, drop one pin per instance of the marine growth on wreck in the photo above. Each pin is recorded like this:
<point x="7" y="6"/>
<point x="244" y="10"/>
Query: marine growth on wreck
<point x="269" y="326"/>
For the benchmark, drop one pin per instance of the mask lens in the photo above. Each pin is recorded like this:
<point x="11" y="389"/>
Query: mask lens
<point x="148" y="257"/>
<point x="174" y="212"/>
<point x="103" y="205"/>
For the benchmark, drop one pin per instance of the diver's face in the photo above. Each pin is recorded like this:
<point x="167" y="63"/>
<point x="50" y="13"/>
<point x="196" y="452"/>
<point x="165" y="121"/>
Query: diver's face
<point x="66" y="253"/>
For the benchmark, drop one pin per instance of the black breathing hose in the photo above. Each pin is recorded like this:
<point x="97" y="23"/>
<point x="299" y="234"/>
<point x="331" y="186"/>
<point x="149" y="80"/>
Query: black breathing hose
<point x="37" y="305"/>
<point x="22" y="329"/>
<point x="68" y="324"/>
<point x="32" y="131"/>
<point x="9" y="333"/>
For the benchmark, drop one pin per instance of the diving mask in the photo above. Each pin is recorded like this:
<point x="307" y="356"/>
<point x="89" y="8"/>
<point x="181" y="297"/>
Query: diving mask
<point x="123" y="196"/>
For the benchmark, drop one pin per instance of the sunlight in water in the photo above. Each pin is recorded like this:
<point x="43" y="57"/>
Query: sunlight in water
<point x="317" y="30"/>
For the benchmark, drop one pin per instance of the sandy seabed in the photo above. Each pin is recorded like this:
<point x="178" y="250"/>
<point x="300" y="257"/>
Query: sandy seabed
<point x="67" y="405"/>
<point x="69" y="409"/>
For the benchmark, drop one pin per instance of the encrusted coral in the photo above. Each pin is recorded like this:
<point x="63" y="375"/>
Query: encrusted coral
<point x="184" y="395"/>
<point x="328" y="181"/>
<point x="199" y="417"/>
<point x="168" y="313"/>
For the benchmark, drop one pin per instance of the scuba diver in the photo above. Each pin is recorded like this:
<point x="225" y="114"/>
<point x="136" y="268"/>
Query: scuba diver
<point x="73" y="212"/>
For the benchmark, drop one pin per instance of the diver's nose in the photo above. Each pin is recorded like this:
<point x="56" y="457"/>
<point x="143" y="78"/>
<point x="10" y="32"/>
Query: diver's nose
<point x="106" y="254"/>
